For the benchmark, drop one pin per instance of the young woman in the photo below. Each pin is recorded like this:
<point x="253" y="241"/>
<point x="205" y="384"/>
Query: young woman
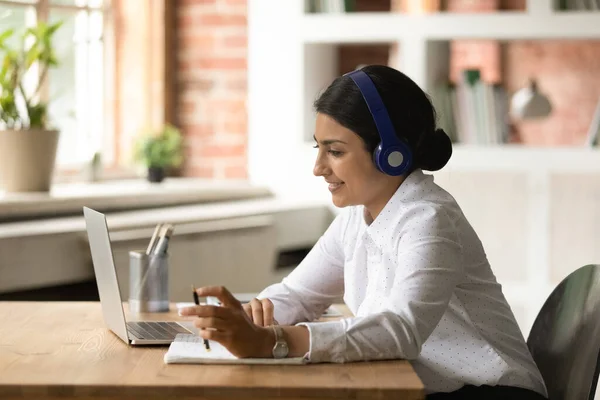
<point x="406" y="260"/>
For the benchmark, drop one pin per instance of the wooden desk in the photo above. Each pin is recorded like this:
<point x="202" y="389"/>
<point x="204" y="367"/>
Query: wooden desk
<point x="63" y="350"/>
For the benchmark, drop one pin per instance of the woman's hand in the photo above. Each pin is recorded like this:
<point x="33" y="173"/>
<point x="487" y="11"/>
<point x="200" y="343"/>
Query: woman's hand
<point x="230" y="325"/>
<point x="260" y="312"/>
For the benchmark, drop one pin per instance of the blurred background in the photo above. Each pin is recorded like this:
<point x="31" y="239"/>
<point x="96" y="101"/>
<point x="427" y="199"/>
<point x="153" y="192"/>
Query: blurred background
<point x="198" y="113"/>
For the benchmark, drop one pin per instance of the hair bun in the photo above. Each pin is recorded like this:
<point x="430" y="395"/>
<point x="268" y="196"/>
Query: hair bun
<point x="435" y="151"/>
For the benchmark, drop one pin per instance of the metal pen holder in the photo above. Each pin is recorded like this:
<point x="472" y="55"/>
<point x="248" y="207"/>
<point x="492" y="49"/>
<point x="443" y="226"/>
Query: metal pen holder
<point x="148" y="282"/>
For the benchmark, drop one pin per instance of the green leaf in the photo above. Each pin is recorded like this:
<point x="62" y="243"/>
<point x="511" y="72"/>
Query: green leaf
<point x="13" y="65"/>
<point x="37" y="116"/>
<point x="32" y="55"/>
<point x="160" y="149"/>
<point x="4" y="36"/>
<point x="54" y="27"/>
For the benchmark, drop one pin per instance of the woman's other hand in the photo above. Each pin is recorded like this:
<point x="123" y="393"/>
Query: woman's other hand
<point x="230" y="325"/>
<point x="260" y="312"/>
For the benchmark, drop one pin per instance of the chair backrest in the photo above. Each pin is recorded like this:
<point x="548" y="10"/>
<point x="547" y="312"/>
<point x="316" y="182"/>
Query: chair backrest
<point x="565" y="338"/>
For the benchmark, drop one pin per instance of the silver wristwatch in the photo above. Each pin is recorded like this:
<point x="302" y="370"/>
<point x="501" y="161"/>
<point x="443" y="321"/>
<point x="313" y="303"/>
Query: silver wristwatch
<point x="281" y="349"/>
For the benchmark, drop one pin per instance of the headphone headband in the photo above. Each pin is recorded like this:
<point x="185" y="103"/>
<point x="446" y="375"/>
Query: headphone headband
<point x="392" y="156"/>
<point x="376" y="107"/>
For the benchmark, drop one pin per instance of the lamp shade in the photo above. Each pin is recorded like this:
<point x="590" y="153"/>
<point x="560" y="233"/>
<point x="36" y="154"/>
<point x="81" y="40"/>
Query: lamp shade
<point x="530" y="103"/>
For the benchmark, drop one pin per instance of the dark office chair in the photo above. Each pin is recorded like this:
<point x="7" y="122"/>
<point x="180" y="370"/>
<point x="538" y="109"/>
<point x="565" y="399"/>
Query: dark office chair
<point x="565" y="338"/>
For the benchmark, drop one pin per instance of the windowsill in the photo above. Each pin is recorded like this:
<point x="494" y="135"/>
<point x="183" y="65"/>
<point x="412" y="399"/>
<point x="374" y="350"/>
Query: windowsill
<point x="120" y="195"/>
<point x="79" y="173"/>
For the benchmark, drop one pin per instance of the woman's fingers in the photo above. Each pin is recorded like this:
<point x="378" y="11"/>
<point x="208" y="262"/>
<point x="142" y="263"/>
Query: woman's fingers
<point x="212" y="322"/>
<point x="247" y="309"/>
<point x="221" y="293"/>
<point x="218" y="336"/>
<point x="257" y="312"/>
<point x="267" y="308"/>
<point x="260" y="311"/>
<point x="205" y="311"/>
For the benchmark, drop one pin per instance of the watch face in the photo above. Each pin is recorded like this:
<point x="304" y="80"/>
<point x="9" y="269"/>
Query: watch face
<point x="280" y="350"/>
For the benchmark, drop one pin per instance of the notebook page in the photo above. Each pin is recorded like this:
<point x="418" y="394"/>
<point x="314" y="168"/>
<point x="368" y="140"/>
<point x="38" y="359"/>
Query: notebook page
<point x="189" y="349"/>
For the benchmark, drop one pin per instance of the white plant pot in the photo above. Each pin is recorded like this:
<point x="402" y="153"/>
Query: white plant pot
<point x="27" y="159"/>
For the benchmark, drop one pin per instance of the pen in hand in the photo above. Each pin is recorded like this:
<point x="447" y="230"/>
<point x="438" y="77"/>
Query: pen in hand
<point x="197" y="301"/>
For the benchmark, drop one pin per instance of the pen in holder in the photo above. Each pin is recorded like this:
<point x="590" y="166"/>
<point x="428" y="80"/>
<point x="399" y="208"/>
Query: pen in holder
<point x="148" y="282"/>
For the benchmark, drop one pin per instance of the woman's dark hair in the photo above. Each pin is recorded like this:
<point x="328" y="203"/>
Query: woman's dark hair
<point x="409" y="108"/>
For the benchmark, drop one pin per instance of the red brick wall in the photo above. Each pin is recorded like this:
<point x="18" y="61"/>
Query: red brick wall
<point x="568" y="72"/>
<point x="211" y="92"/>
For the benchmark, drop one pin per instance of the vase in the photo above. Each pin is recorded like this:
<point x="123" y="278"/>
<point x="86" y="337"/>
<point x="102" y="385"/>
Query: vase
<point x="27" y="159"/>
<point x="156" y="174"/>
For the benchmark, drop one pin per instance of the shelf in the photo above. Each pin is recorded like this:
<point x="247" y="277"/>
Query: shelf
<point x="411" y="6"/>
<point x="509" y="25"/>
<point x="521" y="157"/>
<point x="68" y="199"/>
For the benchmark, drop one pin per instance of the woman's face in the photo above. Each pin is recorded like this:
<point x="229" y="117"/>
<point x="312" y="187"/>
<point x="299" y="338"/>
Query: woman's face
<point x="348" y="168"/>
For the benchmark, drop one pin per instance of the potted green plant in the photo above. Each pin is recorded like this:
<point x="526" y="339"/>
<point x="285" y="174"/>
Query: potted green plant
<point x="159" y="151"/>
<point x="28" y="144"/>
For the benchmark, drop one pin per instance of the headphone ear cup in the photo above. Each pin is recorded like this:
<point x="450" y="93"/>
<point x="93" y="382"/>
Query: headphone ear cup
<point x="394" y="160"/>
<point x="377" y="158"/>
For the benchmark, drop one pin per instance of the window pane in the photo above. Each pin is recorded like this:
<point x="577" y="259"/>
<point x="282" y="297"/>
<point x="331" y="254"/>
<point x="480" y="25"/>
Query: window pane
<point x="18" y="18"/>
<point x="12" y="17"/>
<point x="64" y="109"/>
<point x="75" y="87"/>
<point x="17" y="3"/>
<point x="95" y="74"/>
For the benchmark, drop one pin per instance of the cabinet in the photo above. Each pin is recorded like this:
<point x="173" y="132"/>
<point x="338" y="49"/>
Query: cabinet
<point x="235" y="244"/>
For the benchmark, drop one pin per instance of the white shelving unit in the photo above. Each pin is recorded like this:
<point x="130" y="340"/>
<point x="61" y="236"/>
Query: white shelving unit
<point x="293" y="56"/>
<point x="514" y="157"/>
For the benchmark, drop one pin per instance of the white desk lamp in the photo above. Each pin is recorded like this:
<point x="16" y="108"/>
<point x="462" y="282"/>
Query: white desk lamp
<point x="530" y="103"/>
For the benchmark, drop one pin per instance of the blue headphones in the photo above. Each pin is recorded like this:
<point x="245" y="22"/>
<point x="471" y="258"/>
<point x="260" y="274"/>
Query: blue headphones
<point x="392" y="156"/>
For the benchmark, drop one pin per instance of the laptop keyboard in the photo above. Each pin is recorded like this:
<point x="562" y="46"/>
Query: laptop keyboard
<point x="155" y="330"/>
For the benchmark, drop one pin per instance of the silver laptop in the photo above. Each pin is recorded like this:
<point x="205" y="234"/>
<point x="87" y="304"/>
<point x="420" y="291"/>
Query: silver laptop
<point x="132" y="332"/>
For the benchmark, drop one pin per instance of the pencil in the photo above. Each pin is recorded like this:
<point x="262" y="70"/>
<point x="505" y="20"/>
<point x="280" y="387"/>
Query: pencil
<point x="153" y="239"/>
<point x="197" y="301"/>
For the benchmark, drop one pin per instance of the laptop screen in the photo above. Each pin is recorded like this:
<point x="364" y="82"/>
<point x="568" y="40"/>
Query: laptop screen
<point x="106" y="274"/>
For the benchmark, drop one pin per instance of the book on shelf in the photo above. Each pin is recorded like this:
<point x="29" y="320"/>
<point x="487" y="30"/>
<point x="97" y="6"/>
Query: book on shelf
<point x="330" y="6"/>
<point x="472" y="111"/>
<point x="589" y="5"/>
<point x="594" y="129"/>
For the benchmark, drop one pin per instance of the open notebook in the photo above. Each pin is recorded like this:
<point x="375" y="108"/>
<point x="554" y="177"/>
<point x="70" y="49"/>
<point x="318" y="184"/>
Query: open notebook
<point x="189" y="349"/>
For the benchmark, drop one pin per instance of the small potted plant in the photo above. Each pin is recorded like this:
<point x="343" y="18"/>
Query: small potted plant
<point x="28" y="143"/>
<point x="159" y="151"/>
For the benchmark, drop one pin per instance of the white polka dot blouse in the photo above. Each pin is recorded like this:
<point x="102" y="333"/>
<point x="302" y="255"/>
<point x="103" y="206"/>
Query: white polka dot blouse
<point x="420" y="287"/>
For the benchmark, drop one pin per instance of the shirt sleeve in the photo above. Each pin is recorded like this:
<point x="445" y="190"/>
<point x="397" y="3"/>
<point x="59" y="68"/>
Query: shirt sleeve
<point x="315" y="283"/>
<point x="429" y="266"/>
